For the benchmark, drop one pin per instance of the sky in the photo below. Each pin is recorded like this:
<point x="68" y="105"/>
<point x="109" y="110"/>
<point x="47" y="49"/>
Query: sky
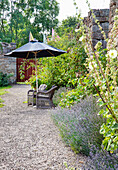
<point x="68" y="9"/>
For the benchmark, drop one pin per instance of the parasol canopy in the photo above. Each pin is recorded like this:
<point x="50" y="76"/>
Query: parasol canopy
<point x="28" y="50"/>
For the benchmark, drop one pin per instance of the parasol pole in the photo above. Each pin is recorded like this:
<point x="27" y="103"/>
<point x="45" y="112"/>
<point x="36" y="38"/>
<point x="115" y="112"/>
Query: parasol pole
<point x="35" y="53"/>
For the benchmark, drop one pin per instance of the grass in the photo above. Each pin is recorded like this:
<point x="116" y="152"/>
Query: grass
<point x="2" y="92"/>
<point x="1" y="102"/>
<point x="25" y="102"/>
<point x="21" y="83"/>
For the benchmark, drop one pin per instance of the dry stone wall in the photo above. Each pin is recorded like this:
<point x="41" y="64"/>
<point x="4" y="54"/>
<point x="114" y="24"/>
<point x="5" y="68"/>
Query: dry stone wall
<point x="103" y="16"/>
<point x="113" y="7"/>
<point x="8" y="64"/>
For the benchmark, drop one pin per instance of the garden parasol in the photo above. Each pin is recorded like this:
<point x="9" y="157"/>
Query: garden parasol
<point x="35" y="49"/>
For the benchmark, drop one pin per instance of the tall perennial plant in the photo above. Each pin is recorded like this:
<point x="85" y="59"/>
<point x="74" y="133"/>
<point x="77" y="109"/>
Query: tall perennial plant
<point x="103" y="78"/>
<point x="106" y="78"/>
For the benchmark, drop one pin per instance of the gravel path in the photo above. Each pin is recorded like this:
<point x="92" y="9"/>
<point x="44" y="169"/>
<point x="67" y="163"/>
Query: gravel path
<point x="29" y="140"/>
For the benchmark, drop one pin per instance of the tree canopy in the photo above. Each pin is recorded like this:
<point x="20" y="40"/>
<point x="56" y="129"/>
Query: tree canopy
<point x="19" y="17"/>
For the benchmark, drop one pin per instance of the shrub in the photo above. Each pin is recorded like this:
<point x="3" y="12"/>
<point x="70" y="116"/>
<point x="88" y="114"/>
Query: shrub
<point x="58" y="95"/>
<point x="32" y="82"/>
<point x="101" y="159"/>
<point x="79" y="126"/>
<point x="4" y="79"/>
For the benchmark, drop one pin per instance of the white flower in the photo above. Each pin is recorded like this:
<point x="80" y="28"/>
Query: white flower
<point x="107" y="55"/>
<point x="113" y="53"/>
<point x="94" y="63"/>
<point x="76" y="30"/>
<point x="81" y="38"/>
<point x="91" y="57"/>
<point x="90" y="66"/>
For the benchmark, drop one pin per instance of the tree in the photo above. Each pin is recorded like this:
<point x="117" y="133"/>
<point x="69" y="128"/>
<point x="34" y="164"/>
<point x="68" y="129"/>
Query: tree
<point x="23" y="16"/>
<point x="68" y="24"/>
<point x="45" y="15"/>
<point x="4" y="6"/>
<point x="42" y="13"/>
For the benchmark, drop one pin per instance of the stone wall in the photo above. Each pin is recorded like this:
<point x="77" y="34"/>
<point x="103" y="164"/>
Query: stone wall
<point x="113" y="7"/>
<point x="8" y="64"/>
<point x="103" y="16"/>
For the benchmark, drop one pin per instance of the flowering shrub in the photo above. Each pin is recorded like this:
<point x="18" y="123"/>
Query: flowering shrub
<point x="80" y="125"/>
<point x="101" y="159"/>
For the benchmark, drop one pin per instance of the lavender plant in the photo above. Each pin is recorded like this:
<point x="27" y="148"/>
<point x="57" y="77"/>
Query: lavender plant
<point x="101" y="160"/>
<point x="79" y="126"/>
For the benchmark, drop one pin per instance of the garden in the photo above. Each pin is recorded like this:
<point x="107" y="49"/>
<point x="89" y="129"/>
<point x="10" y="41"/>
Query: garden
<point x="87" y="95"/>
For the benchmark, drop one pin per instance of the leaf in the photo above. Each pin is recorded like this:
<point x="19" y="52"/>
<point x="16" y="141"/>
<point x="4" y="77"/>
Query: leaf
<point x="115" y="139"/>
<point x="101" y="112"/>
<point x="109" y="143"/>
<point x="115" y="126"/>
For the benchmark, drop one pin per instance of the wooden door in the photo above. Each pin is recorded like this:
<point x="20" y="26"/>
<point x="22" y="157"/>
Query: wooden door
<point x="28" y="71"/>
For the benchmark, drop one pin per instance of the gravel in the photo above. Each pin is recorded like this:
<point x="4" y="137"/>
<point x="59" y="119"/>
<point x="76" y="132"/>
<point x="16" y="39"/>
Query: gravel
<point x="29" y="140"/>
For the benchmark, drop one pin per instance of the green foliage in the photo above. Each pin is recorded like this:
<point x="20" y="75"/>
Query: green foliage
<point x="106" y="79"/>
<point x="4" y="79"/>
<point x="2" y="91"/>
<point x="68" y="24"/>
<point x="68" y="167"/>
<point x="3" y="88"/>
<point x="32" y="82"/>
<point x="1" y="48"/>
<point x="4" y="6"/>
<point x="1" y="101"/>
<point x="59" y="94"/>
<point x="46" y="13"/>
<point x="84" y="88"/>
